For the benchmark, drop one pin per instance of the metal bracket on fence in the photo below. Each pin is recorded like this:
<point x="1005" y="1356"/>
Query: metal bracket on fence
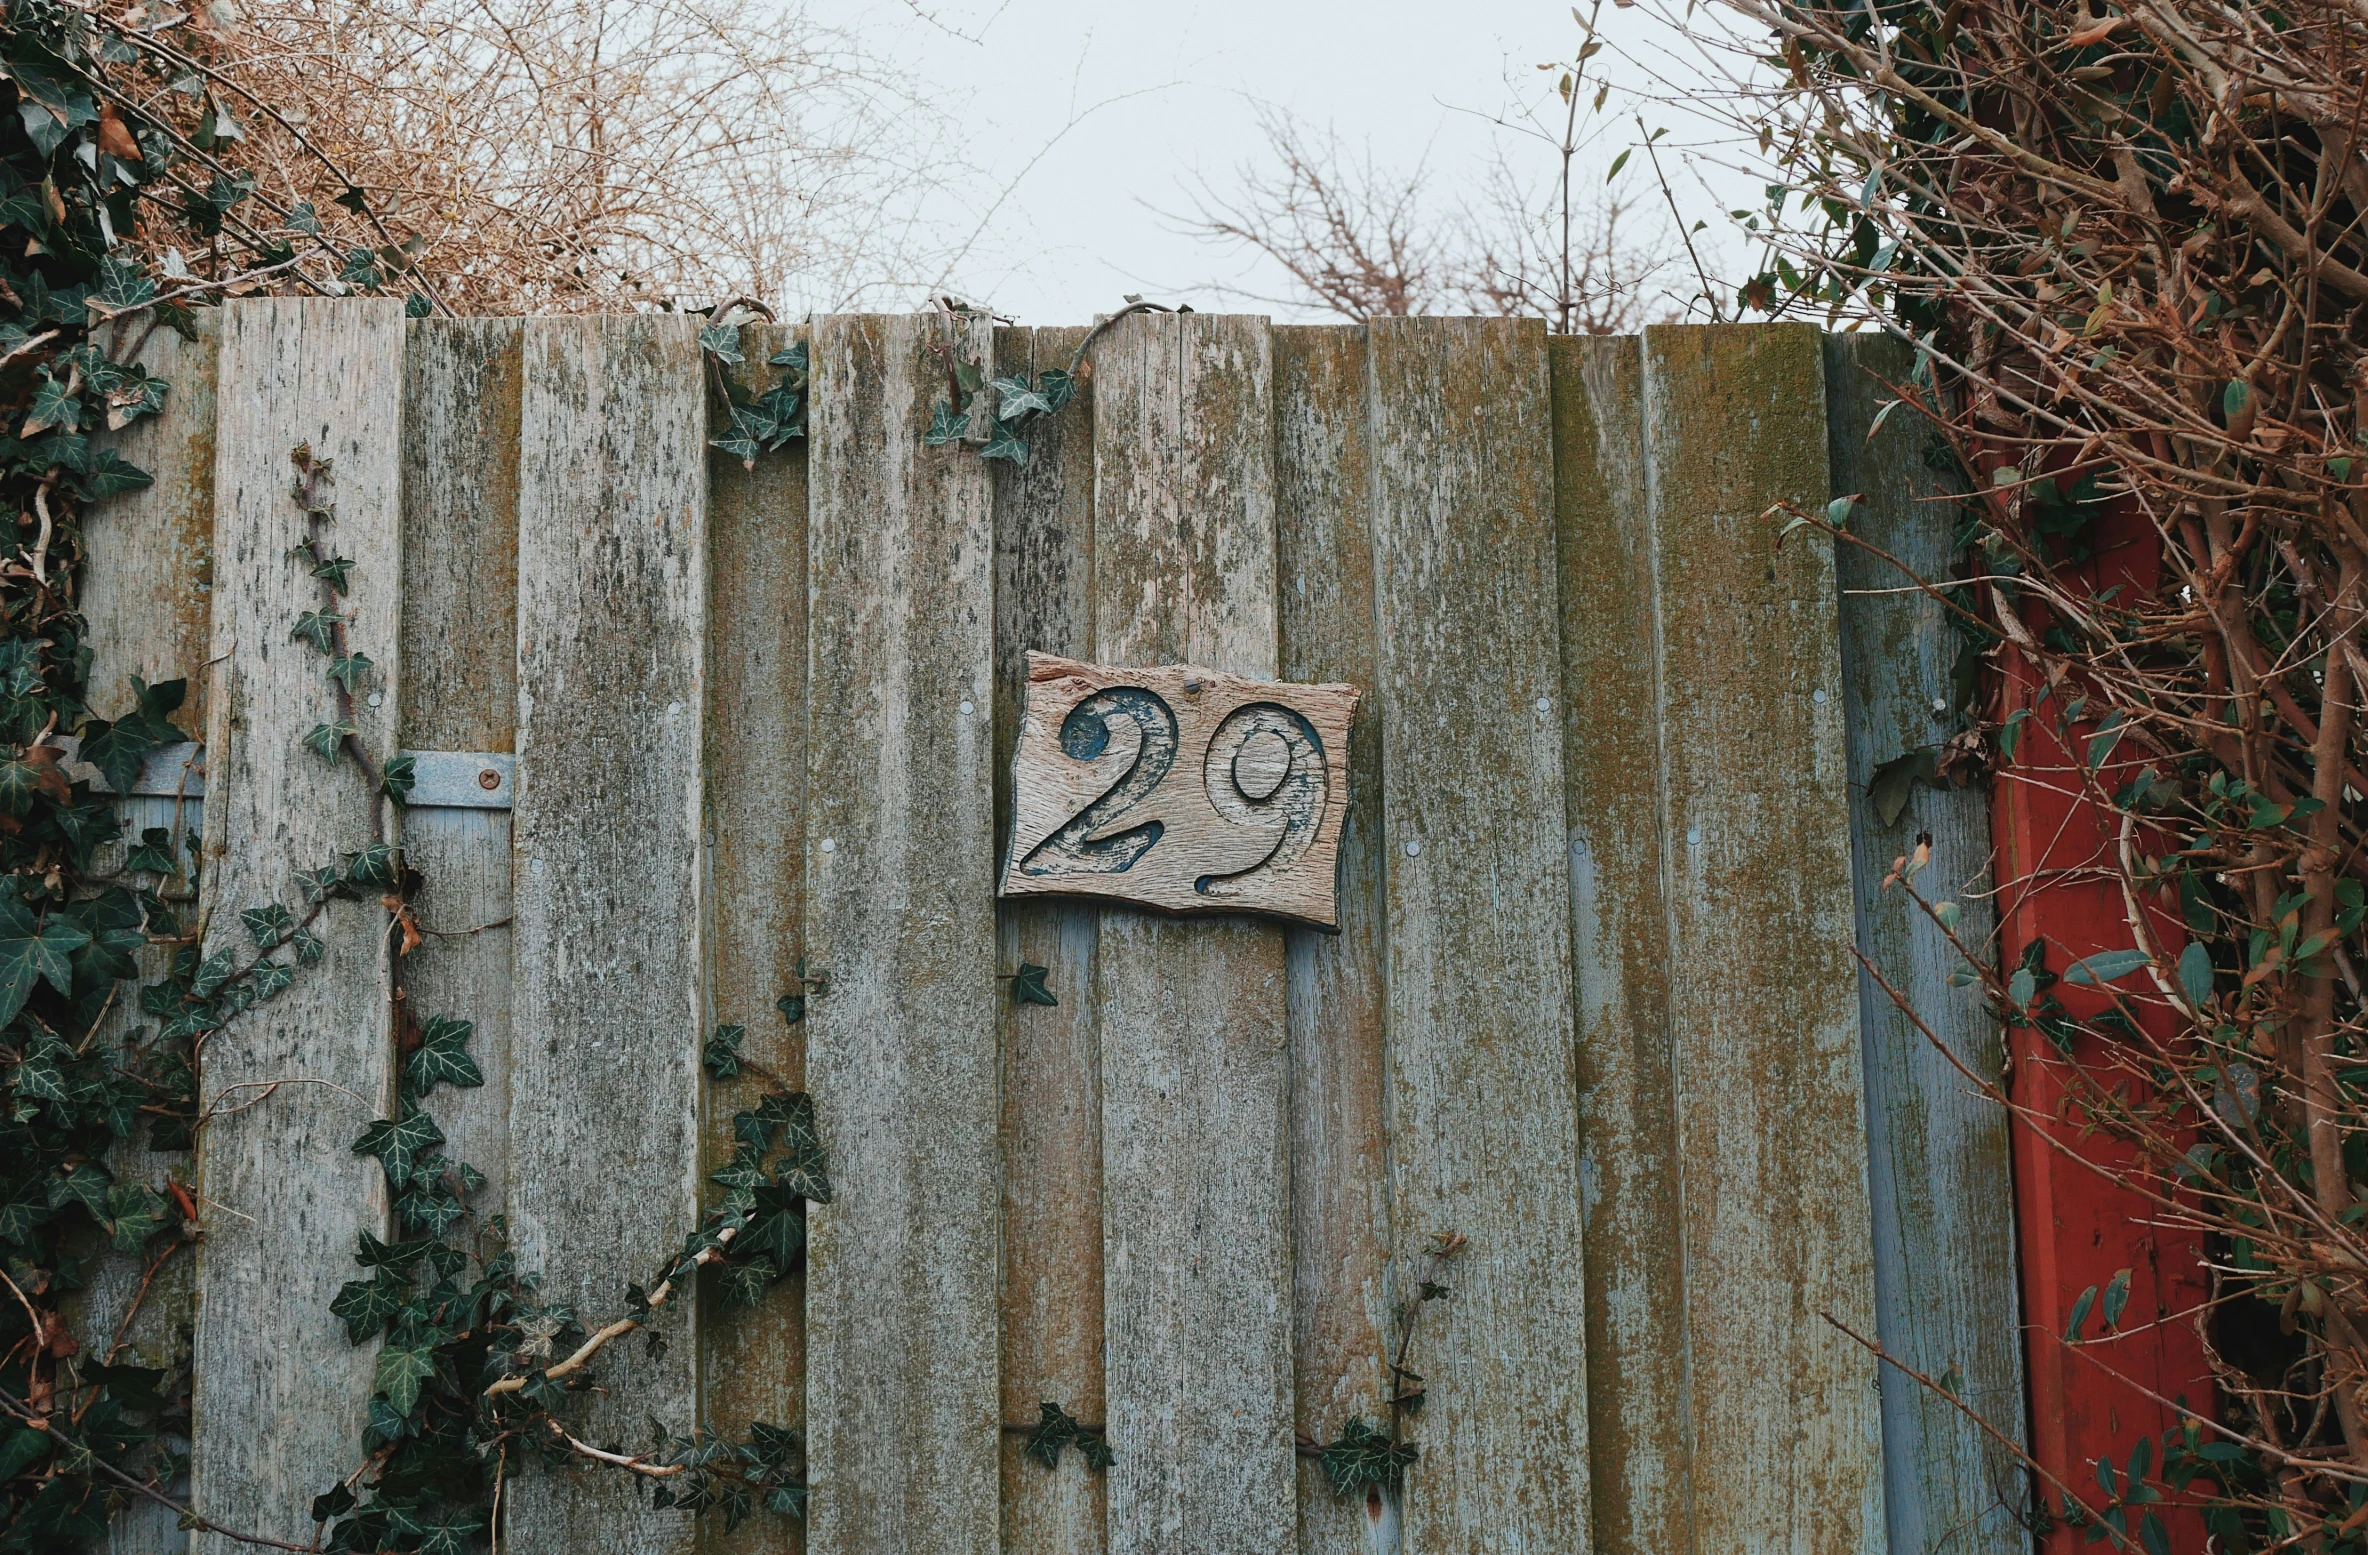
<point x="441" y="780"/>
<point x="461" y="780"/>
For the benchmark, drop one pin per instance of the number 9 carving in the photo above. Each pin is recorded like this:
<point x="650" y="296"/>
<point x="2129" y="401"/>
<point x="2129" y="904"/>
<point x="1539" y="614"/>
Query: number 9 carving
<point x="1265" y="770"/>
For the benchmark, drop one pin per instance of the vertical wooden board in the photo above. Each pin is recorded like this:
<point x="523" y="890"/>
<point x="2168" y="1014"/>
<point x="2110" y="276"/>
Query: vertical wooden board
<point x="1340" y="1239"/>
<point x="901" y="1049"/>
<point x="147" y="575"/>
<point x="608" y="996"/>
<point x="1632" y="1198"/>
<point x="1483" y="1093"/>
<point x="1937" y="1152"/>
<point x="1195" y="1146"/>
<point x="283" y="1196"/>
<point x="145" y="585"/>
<point x="1051" y="1058"/>
<point x="754" y="1360"/>
<point x="462" y="385"/>
<point x="1764" y="991"/>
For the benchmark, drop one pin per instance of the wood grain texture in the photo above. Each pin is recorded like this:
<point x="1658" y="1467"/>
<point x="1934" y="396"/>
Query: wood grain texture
<point x="1339" y="1152"/>
<point x="462" y="385"/>
<point x="1051" y="1056"/>
<point x="901" y="1049"/>
<point x="754" y="1360"/>
<point x="1483" y="1099"/>
<point x="1179" y="787"/>
<point x="609" y="997"/>
<point x="1638" y="1437"/>
<point x="1195" y="1140"/>
<point x="1938" y="1156"/>
<point x="284" y="1197"/>
<point x="1764" y="992"/>
<point x="145" y="590"/>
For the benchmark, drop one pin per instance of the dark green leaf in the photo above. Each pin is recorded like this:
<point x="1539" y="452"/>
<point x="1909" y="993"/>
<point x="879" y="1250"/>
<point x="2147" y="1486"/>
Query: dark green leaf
<point x="2104" y="967"/>
<point x="327" y="740"/>
<point x="442" y="1057"/>
<point x="1027" y="986"/>
<point x="721" y="1056"/>
<point x="401" y="1371"/>
<point x="945" y="426"/>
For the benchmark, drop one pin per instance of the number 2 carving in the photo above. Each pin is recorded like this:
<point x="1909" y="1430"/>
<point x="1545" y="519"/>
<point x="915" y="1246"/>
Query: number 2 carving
<point x="1179" y="788"/>
<point x="1085" y="734"/>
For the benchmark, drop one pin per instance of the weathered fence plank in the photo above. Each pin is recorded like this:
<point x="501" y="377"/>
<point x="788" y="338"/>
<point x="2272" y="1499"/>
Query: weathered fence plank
<point x="1938" y="1152"/>
<point x="1195" y="1146"/>
<point x="144" y="593"/>
<point x="462" y="387"/>
<point x="608" y="993"/>
<point x="1643" y="1485"/>
<point x="1482" y="1091"/>
<point x="754" y="1358"/>
<point x="283" y="1195"/>
<point x="1051" y="1075"/>
<point x="1339" y="1185"/>
<point x="901" y="1048"/>
<point x="1763" y="996"/>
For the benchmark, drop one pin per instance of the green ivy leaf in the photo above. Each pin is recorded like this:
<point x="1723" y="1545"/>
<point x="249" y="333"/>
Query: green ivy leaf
<point x="722" y="341"/>
<point x="350" y="670"/>
<point x="398" y="778"/>
<point x="1004" y="443"/>
<point x="1027" y="985"/>
<point x="318" y="629"/>
<point x="135" y="1213"/>
<point x="402" y="1369"/>
<point x="327" y="740"/>
<point x="398" y="1145"/>
<point x="945" y="426"/>
<point x="721" y="1056"/>
<point x="792" y="1007"/>
<point x="371" y="867"/>
<point x="1364" y="1456"/>
<point x="154" y="854"/>
<point x="33" y="950"/>
<point x="1055" y="1429"/>
<point x="1014" y="399"/>
<point x="268" y="925"/>
<point x="442" y="1057"/>
<point x="53" y="407"/>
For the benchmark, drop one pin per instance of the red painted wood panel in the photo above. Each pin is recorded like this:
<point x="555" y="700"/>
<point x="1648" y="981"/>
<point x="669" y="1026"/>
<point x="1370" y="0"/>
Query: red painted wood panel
<point x="2077" y="1228"/>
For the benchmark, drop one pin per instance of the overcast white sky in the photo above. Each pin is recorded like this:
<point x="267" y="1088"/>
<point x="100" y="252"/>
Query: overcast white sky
<point x="1090" y="119"/>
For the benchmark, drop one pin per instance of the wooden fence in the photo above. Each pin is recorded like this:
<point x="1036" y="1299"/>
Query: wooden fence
<point x="680" y="723"/>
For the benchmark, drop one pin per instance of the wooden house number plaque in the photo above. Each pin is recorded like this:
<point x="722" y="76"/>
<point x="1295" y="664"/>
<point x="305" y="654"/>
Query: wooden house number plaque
<point x="1179" y="788"/>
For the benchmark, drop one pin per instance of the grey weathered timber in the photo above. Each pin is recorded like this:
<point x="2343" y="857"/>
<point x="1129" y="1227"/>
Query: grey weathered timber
<point x="900" y="918"/>
<point x="608" y="992"/>
<point x="1763" y="997"/>
<point x="281" y="1193"/>
<point x="1937" y="1151"/>
<point x="1339" y="1185"/>
<point x="1051" y="1074"/>
<point x="1617" y="814"/>
<point x="1483" y="1101"/>
<point x="754" y="1361"/>
<point x="463" y="381"/>
<point x="144" y="593"/>
<point x="1195" y="1140"/>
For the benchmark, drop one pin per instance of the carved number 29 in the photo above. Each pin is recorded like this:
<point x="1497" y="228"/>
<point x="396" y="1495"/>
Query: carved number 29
<point x="1264" y="770"/>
